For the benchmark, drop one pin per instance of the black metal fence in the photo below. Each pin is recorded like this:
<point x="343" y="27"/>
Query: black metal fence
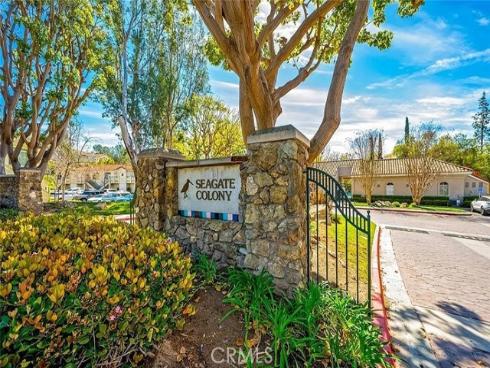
<point x="338" y="237"/>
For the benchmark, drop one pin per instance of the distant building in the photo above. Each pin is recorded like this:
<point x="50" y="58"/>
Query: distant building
<point x="391" y="178"/>
<point x="111" y="177"/>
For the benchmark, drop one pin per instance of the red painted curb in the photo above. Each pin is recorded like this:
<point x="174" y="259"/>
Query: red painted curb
<point x="380" y="313"/>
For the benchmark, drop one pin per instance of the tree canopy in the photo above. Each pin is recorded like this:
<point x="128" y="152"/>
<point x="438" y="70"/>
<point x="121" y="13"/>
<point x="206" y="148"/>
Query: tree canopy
<point x="303" y="33"/>
<point x="211" y="130"/>
<point x="53" y="54"/>
<point x="159" y="65"/>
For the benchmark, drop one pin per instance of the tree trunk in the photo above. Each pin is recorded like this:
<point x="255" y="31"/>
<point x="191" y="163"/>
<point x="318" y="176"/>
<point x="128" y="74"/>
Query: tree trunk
<point x="3" y="156"/>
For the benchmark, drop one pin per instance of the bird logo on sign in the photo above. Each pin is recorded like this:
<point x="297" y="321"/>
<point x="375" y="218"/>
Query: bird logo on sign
<point x="185" y="188"/>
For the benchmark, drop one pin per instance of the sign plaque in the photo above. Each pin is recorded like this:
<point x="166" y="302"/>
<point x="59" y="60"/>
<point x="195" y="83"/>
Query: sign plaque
<point x="209" y="192"/>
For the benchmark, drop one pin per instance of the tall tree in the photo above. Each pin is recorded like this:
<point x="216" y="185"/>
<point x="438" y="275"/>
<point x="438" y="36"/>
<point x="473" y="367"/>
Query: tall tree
<point x="407" y="130"/>
<point x="159" y="65"/>
<point x="68" y="154"/>
<point x="366" y="147"/>
<point x="212" y="130"/>
<point x="481" y="122"/>
<point x="115" y="154"/>
<point x="419" y="159"/>
<point x="52" y="53"/>
<point x="301" y="32"/>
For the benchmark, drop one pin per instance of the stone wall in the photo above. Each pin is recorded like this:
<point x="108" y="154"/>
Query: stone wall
<point x="271" y="230"/>
<point x="274" y="186"/>
<point x="152" y="193"/>
<point x="8" y="191"/>
<point x="223" y="241"/>
<point x="30" y="198"/>
<point x="22" y="191"/>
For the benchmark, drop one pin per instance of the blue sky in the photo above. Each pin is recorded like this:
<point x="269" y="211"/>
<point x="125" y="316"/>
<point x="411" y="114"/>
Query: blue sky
<point x="437" y="68"/>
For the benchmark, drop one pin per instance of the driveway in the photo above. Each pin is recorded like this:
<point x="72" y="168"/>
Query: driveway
<point x="444" y="263"/>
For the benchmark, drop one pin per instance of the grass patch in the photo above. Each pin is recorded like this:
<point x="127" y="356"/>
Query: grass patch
<point x="102" y="209"/>
<point x="354" y="267"/>
<point x="429" y="208"/>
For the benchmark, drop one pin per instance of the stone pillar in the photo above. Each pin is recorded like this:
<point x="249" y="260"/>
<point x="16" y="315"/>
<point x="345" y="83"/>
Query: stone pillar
<point x="151" y="207"/>
<point x="274" y="205"/>
<point x="29" y="195"/>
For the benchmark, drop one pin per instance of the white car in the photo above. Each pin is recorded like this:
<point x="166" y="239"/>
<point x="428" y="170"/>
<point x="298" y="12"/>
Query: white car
<point x="481" y="205"/>
<point x="112" y="197"/>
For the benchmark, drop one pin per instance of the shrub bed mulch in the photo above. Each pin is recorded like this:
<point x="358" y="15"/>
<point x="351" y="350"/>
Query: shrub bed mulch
<point x="204" y="331"/>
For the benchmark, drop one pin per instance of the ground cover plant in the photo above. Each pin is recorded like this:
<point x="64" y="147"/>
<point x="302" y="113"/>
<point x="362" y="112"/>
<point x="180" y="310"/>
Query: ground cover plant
<point x="78" y="290"/>
<point x="319" y="326"/>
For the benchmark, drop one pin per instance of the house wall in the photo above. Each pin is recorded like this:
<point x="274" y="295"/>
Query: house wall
<point x="472" y="187"/>
<point x="401" y="187"/>
<point x="120" y="179"/>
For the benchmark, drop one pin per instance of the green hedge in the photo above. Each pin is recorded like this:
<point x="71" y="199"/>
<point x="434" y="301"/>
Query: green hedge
<point x="428" y="200"/>
<point x="86" y="291"/>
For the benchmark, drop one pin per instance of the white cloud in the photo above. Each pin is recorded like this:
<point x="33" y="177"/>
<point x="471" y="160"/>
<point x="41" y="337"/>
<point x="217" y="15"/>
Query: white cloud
<point x="107" y="138"/>
<point x="442" y="101"/>
<point x="92" y="113"/>
<point x="426" y="40"/>
<point x="435" y="68"/>
<point x="483" y="21"/>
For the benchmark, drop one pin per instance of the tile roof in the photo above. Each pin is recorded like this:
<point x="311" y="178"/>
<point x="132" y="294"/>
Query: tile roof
<point x="387" y="167"/>
<point x="102" y="167"/>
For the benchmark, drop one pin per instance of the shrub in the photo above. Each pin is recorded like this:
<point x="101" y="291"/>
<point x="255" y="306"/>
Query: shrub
<point x="205" y="269"/>
<point x="84" y="291"/>
<point x="396" y="204"/>
<point x="8" y="213"/>
<point x="427" y="200"/>
<point x="319" y="324"/>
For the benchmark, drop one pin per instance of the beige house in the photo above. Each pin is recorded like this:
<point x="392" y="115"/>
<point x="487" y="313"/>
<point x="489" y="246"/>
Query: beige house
<point x="453" y="181"/>
<point x="111" y="177"/>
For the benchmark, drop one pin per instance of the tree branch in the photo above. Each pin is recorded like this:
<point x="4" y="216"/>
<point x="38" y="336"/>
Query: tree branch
<point x="296" y="38"/>
<point x="331" y="116"/>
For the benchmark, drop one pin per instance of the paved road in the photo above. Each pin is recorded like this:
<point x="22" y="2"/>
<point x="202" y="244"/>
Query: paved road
<point x="447" y="280"/>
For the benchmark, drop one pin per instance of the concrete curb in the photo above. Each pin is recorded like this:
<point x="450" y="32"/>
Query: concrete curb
<point x="380" y="313"/>
<point x="409" y="337"/>
<point x="387" y="209"/>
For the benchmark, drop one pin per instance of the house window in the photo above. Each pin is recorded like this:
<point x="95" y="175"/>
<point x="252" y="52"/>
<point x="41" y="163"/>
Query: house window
<point x="390" y="189"/>
<point x="473" y="185"/>
<point x="443" y="189"/>
<point x="480" y="185"/>
<point x="466" y="185"/>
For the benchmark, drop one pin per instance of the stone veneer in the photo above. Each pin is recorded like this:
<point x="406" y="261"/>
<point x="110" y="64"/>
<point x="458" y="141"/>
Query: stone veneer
<point x="274" y="201"/>
<point x="152" y="191"/>
<point x="30" y="198"/>
<point x="22" y="191"/>
<point x="8" y="191"/>
<point x="272" y="228"/>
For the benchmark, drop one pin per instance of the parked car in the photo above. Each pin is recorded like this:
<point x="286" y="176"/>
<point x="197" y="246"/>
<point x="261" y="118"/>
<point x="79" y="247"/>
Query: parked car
<point x="481" y="205"/>
<point x="68" y="194"/>
<point x="85" y="195"/>
<point x="112" y="197"/>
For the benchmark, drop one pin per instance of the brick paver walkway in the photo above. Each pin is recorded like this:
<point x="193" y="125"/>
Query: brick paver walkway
<point x="447" y="280"/>
<point x="441" y="272"/>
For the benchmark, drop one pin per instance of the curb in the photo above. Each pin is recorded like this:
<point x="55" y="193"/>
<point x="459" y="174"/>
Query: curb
<point x="387" y="209"/>
<point x="380" y="313"/>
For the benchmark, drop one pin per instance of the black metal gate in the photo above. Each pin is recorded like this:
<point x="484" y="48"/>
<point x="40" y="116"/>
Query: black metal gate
<point x="338" y="240"/>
